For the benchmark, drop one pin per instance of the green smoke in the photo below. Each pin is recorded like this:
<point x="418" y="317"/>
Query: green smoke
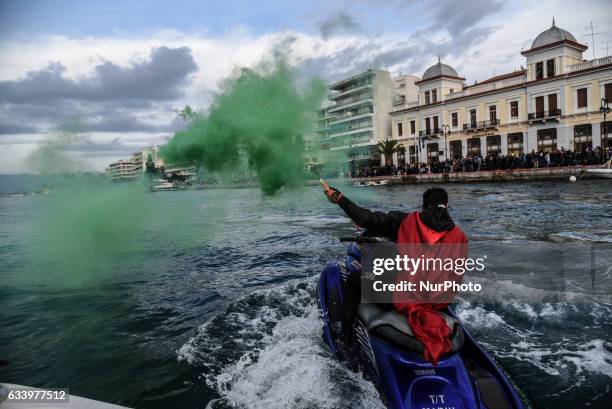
<point x="88" y="230"/>
<point x="260" y="113"/>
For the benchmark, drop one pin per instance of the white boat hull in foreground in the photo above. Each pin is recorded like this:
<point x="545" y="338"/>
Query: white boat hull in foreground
<point x="74" y="402"/>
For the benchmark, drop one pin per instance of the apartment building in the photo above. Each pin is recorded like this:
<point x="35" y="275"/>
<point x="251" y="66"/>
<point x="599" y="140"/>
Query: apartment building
<point x="553" y="103"/>
<point x="135" y="167"/>
<point x="126" y="169"/>
<point x="357" y="117"/>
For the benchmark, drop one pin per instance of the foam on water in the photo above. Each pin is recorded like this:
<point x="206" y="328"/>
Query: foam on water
<point x="601" y="236"/>
<point x="478" y="316"/>
<point x="310" y="221"/>
<point x="574" y="364"/>
<point x="265" y="351"/>
<point x="563" y="358"/>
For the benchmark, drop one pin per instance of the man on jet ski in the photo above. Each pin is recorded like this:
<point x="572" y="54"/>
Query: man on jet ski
<point x="432" y="225"/>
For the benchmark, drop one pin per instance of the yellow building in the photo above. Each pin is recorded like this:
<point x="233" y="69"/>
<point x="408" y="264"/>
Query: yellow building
<point x="552" y="104"/>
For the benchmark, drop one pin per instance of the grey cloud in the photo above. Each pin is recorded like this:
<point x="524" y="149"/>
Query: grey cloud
<point x="8" y="129"/>
<point x="457" y="45"/>
<point x="160" y="78"/>
<point x="113" y="123"/>
<point x="339" y="23"/>
<point x="71" y="117"/>
<point x="122" y="122"/>
<point x="116" y="148"/>
<point x="406" y="56"/>
<point x="457" y="16"/>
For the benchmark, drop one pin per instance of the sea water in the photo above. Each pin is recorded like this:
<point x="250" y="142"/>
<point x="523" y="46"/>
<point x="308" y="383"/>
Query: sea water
<point x="229" y="319"/>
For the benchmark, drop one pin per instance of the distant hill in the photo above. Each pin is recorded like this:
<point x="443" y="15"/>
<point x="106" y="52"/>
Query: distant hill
<point x="25" y="182"/>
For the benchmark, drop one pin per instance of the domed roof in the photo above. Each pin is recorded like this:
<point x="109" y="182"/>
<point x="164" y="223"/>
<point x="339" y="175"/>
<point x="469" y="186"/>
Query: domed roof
<point x="552" y="35"/>
<point x="439" y="69"/>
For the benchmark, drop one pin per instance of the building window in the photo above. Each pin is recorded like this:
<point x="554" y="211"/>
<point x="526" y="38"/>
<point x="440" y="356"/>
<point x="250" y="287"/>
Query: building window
<point x="400" y="131"/>
<point x="472" y="118"/>
<point x="539" y="70"/>
<point x="608" y="92"/>
<point x="539" y="102"/>
<point x="493" y="113"/>
<point x="581" y="96"/>
<point x="552" y="104"/>
<point x="434" y="96"/>
<point x="452" y="90"/>
<point x="514" y="109"/>
<point x="427" y="125"/>
<point x="435" y="123"/>
<point x="401" y="156"/>
<point x="433" y="153"/>
<point x="412" y="127"/>
<point x="547" y="140"/>
<point x="493" y="145"/>
<point x="454" y="120"/>
<point x="473" y="147"/>
<point x="550" y="68"/>
<point x="515" y="143"/>
<point x="606" y="131"/>
<point x="583" y="137"/>
<point x="412" y="154"/>
<point x="426" y="97"/>
<point x="455" y="149"/>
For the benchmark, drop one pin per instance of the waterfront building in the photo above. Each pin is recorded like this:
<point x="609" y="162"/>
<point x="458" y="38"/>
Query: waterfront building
<point x="552" y="104"/>
<point x="135" y="167"/>
<point x="356" y="117"/>
<point x="127" y="169"/>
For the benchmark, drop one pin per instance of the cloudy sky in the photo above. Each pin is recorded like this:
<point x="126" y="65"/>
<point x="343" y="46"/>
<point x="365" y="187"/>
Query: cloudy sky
<point x="109" y="74"/>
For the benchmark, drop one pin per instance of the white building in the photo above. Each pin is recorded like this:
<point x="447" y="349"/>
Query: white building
<point x="552" y="104"/>
<point x="357" y="116"/>
<point x="125" y="170"/>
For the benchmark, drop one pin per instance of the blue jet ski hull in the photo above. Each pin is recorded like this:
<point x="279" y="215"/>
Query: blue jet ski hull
<point x="466" y="378"/>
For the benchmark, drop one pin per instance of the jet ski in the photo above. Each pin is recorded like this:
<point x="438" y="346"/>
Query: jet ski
<point x="388" y="354"/>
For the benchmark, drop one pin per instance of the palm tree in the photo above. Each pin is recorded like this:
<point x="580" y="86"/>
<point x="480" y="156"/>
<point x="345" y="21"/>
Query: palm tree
<point x="388" y="148"/>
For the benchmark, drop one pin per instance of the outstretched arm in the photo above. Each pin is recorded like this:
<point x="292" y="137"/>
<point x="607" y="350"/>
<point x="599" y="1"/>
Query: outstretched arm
<point x="379" y="223"/>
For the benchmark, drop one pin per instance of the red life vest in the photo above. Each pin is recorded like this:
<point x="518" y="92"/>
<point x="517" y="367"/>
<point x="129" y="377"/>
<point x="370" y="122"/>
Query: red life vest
<point x="426" y="323"/>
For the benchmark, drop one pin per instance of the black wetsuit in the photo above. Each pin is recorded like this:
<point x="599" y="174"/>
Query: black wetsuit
<point x="380" y="224"/>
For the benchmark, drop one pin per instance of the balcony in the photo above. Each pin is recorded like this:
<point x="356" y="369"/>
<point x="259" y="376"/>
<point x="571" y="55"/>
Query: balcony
<point x="551" y="114"/>
<point x="350" y="102"/>
<point x="343" y="116"/>
<point x="335" y="94"/>
<point x="590" y="64"/>
<point x="399" y="100"/>
<point x="347" y="129"/>
<point x="480" y="125"/>
<point x="430" y="133"/>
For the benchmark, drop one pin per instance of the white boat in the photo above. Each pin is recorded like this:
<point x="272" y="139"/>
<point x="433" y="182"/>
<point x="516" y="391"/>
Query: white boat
<point x="163" y="185"/>
<point x="66" y="401"/>
<point x="603" y="172"/>
<point x="373" y="183"/>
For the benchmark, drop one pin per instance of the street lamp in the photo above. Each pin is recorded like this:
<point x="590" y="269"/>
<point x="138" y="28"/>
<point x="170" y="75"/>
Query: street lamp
<point x="446" y="130"/>
<point x="605" y="109"/>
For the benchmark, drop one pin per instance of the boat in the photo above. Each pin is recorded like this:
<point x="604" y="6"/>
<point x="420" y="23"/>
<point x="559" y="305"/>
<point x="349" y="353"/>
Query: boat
<point x="604" y="172"/>
<point x="389" y="355"/>
<point x="11" y="398"/>
<point x="163" y="185"/>
<point x="373" y="183"/>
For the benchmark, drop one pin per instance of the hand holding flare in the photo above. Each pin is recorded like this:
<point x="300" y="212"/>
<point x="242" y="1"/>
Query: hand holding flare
<point x="333" y="195"/>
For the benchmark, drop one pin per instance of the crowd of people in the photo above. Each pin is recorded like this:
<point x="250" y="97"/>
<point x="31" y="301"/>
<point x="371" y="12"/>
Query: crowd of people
<point x="476" y="163"/>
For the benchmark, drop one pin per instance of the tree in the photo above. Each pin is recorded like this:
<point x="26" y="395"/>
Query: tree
<point x="186" y="113"/>
<point x="388" y="148"/>
<point x="150" y="166"/>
